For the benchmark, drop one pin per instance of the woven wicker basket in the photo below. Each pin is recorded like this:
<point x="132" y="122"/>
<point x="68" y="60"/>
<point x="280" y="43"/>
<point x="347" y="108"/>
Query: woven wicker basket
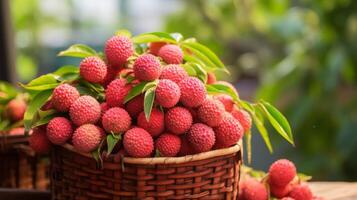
<point x="20" y="167"/>
<point x="210" y="175"/>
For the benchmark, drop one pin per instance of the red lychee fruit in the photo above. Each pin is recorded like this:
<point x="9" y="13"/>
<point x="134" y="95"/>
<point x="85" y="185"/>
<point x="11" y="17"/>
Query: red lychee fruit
<point x="173" y="72"/>
<point x="252" y="189"/>
<point x="211" y="112"/>
<point x="211" y="78"/>
<point x="104" y="107"/>
<point x="116" y="92"/>
<point x="116" y="120"/>
<point x="112" y="73"/>
<point x="15" y="109"/>
<point x="167" y="93"/>
<point x="301" y="192"/>
<point x="118" y="49"/>
<point x="147" y="67"/>
<point x="63" y="97"/>
<point x="243" y="117"/>
<point x="168" y="145"/>
<point x="155" y="126"/>
<point x="281" y="172"/>
<point x="193" y="92"/>
<point x="178" y="120"/>
<point x="228" y="132"/>
<point x="226" y="100"/>
<point x="138" y="143"/>
<point x="201" y="137"/>
<point x="280" y="192"/>
<point x="93" y="69"/>
<point x="287" y="198"/>
<point x="47" y="106"/>
<point x="135" y="106"/>
<point x="59" y="130"/>
<point x="228" y="84"/>
<point x="171" y="54"/>
<point x="154" y="47"/>
<point x="85" y="110"/>
<point x="186" y="148"/>
<point x="87" y="138"/>
<point x="38" y="140"/>
<point x="17" y="131"/>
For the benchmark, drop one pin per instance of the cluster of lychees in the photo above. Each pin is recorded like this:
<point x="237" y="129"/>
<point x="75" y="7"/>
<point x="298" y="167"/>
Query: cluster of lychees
<point x="281" y="182"/>
<point x="184" y="119"/>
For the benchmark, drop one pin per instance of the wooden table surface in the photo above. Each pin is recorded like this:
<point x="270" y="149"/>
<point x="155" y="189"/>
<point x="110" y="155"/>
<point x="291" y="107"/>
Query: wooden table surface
<point x="335" y="190"/>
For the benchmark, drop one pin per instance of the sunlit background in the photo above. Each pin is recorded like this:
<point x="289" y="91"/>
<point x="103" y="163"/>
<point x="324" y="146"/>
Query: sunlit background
<point x="301" y="56"/>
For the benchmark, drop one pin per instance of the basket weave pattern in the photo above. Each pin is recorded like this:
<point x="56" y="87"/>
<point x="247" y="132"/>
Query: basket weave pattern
<point x="212" y="175"/>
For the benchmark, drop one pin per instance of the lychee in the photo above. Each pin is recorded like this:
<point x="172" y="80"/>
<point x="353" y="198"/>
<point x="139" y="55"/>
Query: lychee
<point x="63" y="96"/>
<point x="116" y="92"/>
<point x="281" y="172"/>
<point x="154" y="47"/>
<point x="226" y="100"/>
<point x="173" y="72"/>
<point x="155" y="125"/>
<point x="287" y="198"/>
<point x="118" y="49"/>
<point x="135" y="106"/>
<point x="211" y="112"/>
<point x="201" y="137"/>
<point x="59" y="130"/>
<point x="112" y="73"/>
<point x="93" y="69"/>
<point x="280" y="192"/>
<point x="193" y="92"/>
<point x="178" y="120"/>
<point x="147" y="67"/>
<point x="301" y="192"/>
<point x="171" y="54"/>
<point x="17" y="131"/>
<point x="168" y="145"/>
<point x="87" y="138"/>
<point x="186" y="148"/>
<point x="243" y="117"/>
<point x="85" y="110"/>
<point x="167" y="93"/>
<point x="38" y="140"/>
<point x="116" y="120"/>
<point x="211" y="78"/>
<point x="252" y="189"/>
<point x="104" y="107"/>
<point x="15" y="109"/>
<point x="138" y="143"/>
<point x="228" y="132"/>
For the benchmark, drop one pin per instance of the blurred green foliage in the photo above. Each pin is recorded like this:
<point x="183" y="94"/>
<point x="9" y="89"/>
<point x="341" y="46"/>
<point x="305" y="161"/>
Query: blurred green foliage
<point x="304" y="56"/>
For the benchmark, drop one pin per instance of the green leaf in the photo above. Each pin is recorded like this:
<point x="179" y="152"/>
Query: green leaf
<point x="304" y="177"/>
<point x="124" y="32"/>
<point x="200" y="72"/>
<point x="35" y="104"/>
<point x="112" y="140"/>
<point x="221" y="88"/>
<point x="149" y="102"/>
<point x="177" y="36"/>
<point x="151" y="84"/>
<point x="8" y="92"/>
<point x="157" y="153"/>
<point x="45" y="117"/>
<point x="262" y="130"/>
<point x="198" y="54"/>
<point x="135" y="91"/>
<point x="96" y="154"/>
<point x="189" y="69"/>
<point x="153" y="37"/>
<point x="78" y="50"/>
<point x="246" y="105"/>
<point x="41" y="87"/>
<point x="248" y="142"/>
<point x="43" y="80"/>
<point x="67" y="69"/>
<point x="4" y="124"/>
<point x="277" y="120"/>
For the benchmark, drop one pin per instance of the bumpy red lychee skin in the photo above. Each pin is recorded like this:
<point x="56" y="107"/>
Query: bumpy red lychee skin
<point x="104" y="107"/>
<point x="93" y="69"/>
<point x="85" y="110"/>
<point x="168" y="145"/>
<point x="116" y="92"/>
<point x="173" y="72"/>
<point x="63" y="97"/>
<point x="116" y="120"/>
<point x="186" y="148"/>
<point x="201" y="137"/>
<point x="112" y="73"/>
<point x="226" y="100"/>
<point x="178" y="120"/>
<point x="243" y="117"/>
<point x="193" y="92"/>
<point x="87" y="138"/>
<point x="252" y="189"/>
<point x="38" y="140"/>
<point x="15" y="109"/>
<point x="147" y="67"/>
<point x="171" y="54"/>
<point x="155" y="126"/>
<point x="211" y="78"/>
<point x="167" y="93"/>
<point x="59" y="130"/>
<point x="118" y="49"/>
<point x="301" y="192"/>
<point x="138" y="143"/>
<point x="135" y="106"/>
<point x="228" y="132"/>
<point x="211" y="112"/>
<point x="154" y="47"/>
<point x="281" y="172"/>
<point x="280" y="192"/>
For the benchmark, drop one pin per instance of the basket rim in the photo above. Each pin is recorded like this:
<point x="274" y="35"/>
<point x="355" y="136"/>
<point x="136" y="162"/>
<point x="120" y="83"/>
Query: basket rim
<point x="171" y="160"/>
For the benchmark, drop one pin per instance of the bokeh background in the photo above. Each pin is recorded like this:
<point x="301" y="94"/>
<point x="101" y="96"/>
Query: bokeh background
<point x="300" y="55"/>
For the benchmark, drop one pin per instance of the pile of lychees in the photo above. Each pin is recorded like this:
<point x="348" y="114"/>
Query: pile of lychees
<point x="182" y="118"/>
<point x="281" y="182"/>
